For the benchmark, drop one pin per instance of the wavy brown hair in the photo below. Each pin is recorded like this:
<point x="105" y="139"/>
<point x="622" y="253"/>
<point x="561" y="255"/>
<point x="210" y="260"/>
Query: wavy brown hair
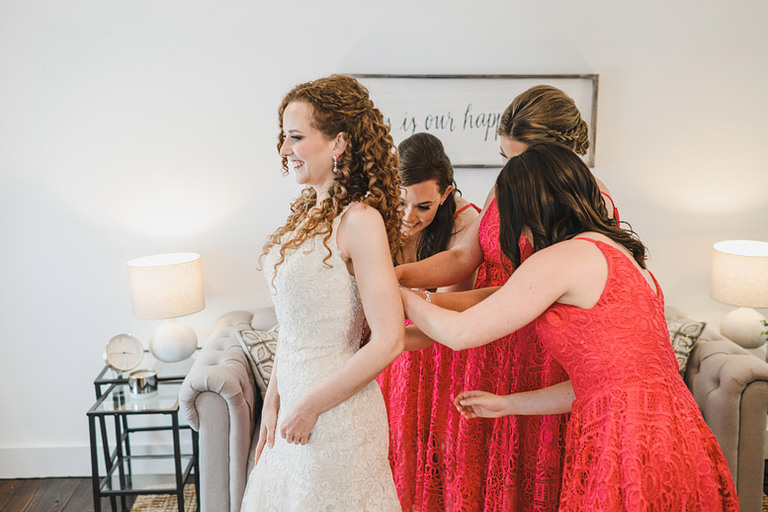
<point x="367" y="169"/>
<point x="545" y="114"/>
<point x="551" y="191"/>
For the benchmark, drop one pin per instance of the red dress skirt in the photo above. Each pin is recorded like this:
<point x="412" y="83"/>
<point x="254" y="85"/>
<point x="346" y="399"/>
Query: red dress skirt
<point x="442" y="462"/>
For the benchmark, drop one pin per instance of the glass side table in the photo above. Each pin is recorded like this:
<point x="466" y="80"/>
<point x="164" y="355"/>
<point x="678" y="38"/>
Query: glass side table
<point x="130" y="474"/>
<point x="171" y="372"/>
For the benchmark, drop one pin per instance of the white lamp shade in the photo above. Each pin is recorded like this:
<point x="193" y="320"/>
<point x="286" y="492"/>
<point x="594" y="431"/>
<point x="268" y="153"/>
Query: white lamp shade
<point x="166" y="285"/>
<point x="740" y="273"/>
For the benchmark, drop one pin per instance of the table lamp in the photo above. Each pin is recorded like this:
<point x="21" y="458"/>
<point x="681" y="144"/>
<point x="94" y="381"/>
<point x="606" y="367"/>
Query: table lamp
<point x="168" y="286"/>
<point x="740" y="278"/>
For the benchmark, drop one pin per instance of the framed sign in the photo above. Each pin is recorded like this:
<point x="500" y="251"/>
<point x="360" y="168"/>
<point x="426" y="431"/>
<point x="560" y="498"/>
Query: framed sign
<point x="463" y="111"/>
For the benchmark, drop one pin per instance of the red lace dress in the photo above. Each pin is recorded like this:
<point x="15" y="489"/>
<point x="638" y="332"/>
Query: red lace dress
<point x="441" y="462"/>
<point x="418" y="389"/>
<point x="513" y="463"/>
<point x="636" y="439"/>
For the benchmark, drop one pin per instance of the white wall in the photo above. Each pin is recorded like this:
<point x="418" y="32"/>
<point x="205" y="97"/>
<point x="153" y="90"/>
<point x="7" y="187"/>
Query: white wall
<point x="134" y="128"/>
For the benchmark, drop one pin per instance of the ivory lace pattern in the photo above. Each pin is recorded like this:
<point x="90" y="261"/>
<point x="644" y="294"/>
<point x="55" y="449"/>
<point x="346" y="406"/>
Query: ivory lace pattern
<point x="344" y="466"/>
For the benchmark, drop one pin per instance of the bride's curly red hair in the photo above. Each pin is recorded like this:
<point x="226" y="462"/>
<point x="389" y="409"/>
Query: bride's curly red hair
<point x="367" y="169"/>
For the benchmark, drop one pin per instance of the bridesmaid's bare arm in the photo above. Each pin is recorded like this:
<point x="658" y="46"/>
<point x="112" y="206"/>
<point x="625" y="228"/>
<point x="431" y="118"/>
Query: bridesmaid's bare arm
<point x="556" y="399"/>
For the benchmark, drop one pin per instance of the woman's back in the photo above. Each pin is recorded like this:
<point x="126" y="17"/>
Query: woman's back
<point x="344" y="465"/>
<point x="318" y="307"/>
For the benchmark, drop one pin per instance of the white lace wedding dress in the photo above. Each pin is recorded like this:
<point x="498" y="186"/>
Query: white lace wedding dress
<point x="344" y="466"/>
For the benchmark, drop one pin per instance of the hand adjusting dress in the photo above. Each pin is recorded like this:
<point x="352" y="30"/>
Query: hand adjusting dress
<point x="636" y="439"/>
<point x="344" y="466"/>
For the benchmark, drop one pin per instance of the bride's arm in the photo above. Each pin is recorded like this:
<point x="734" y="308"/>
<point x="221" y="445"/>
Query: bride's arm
<point x="268" y="415"/>
<point x="363" y="243"/>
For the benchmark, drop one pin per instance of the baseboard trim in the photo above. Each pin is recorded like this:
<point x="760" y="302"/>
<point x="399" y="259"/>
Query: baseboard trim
<point x="45" y="461"/>
<point x="61" y="461"/>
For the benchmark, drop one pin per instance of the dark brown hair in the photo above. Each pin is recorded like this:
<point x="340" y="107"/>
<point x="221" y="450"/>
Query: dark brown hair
<point x="551" y="191"/>
<point x="423" y="158"/>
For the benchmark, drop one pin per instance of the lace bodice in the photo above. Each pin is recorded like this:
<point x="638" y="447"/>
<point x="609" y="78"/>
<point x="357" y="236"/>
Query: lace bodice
<point x="319" y="310"/>
<point x="344" y="465"/>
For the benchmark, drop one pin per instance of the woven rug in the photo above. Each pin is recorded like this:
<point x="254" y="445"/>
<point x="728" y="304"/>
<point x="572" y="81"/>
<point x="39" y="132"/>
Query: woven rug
<point x="165" y="502"/>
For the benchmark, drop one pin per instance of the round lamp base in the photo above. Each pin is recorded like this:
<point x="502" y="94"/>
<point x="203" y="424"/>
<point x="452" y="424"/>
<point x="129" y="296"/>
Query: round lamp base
<point x="173" y="341"/>
<point x="744" y="326"/>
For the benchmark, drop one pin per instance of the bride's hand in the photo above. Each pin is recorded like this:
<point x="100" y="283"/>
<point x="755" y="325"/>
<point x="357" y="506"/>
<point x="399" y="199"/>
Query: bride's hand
<point x="297" y="424"/>
<point x="268" y="425"/>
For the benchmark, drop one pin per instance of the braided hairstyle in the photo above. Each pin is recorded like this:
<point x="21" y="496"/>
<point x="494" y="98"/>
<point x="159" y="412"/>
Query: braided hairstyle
<point x="367" y="169"/>
<point x="423" y="158"/>
<point x="545" y="114"/>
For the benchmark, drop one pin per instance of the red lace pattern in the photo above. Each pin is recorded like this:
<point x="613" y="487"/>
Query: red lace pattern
<point x="636" y="439"/>
<point x="441" y="462"/>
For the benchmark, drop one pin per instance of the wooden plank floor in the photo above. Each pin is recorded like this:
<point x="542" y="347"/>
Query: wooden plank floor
<point x="73" y="494"/>
<point x="51" y="495"/>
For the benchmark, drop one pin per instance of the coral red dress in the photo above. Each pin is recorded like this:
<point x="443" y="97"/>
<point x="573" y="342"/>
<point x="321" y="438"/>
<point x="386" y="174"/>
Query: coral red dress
<point x="442" y="462"/>
<point x="636" y="439"/>
<point x="518" y="464"/>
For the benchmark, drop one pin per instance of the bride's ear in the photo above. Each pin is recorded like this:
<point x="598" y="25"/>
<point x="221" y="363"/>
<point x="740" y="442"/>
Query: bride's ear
<point x="340" y="144"/>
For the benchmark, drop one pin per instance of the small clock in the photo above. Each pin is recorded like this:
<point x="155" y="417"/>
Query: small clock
<point x="123" y="352"/>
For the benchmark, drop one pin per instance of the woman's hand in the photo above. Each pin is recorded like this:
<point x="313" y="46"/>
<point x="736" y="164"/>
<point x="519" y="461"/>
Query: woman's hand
<point x="268" y="426"/>
<point x="473" y="404"/>
<point x="297" y="425"/>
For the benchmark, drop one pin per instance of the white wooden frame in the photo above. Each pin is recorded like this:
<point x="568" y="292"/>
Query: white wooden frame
<point x="464" y="110"/>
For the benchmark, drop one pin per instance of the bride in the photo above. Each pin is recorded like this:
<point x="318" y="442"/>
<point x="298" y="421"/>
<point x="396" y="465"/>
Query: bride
<point x="323" y="441"/>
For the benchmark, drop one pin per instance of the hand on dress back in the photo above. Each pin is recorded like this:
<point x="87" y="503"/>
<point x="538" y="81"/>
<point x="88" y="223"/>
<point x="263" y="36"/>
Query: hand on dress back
<point x="474" y="404"/>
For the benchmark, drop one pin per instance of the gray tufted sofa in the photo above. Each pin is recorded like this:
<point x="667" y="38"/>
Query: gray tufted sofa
<point x="220" y="400"/>
<point x="730" y="386"/>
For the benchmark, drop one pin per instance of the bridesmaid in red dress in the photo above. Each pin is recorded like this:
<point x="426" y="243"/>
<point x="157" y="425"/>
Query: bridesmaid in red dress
<point x="514" y="462"/>
<point x="434" y="217"/>
<point x="635" y="438"/>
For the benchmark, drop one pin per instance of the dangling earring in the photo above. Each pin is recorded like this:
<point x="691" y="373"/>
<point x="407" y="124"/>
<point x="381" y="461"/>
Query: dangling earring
<point x="335" y="165"/>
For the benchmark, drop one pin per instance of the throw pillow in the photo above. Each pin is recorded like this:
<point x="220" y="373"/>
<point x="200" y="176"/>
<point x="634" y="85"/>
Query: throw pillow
<point x="683" y="333"/>
<point x="259" y="348"/>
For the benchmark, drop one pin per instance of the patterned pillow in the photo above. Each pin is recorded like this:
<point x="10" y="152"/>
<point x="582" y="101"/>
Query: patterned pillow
<point x="259" y="348"/>
<point x="683" y="333"/>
